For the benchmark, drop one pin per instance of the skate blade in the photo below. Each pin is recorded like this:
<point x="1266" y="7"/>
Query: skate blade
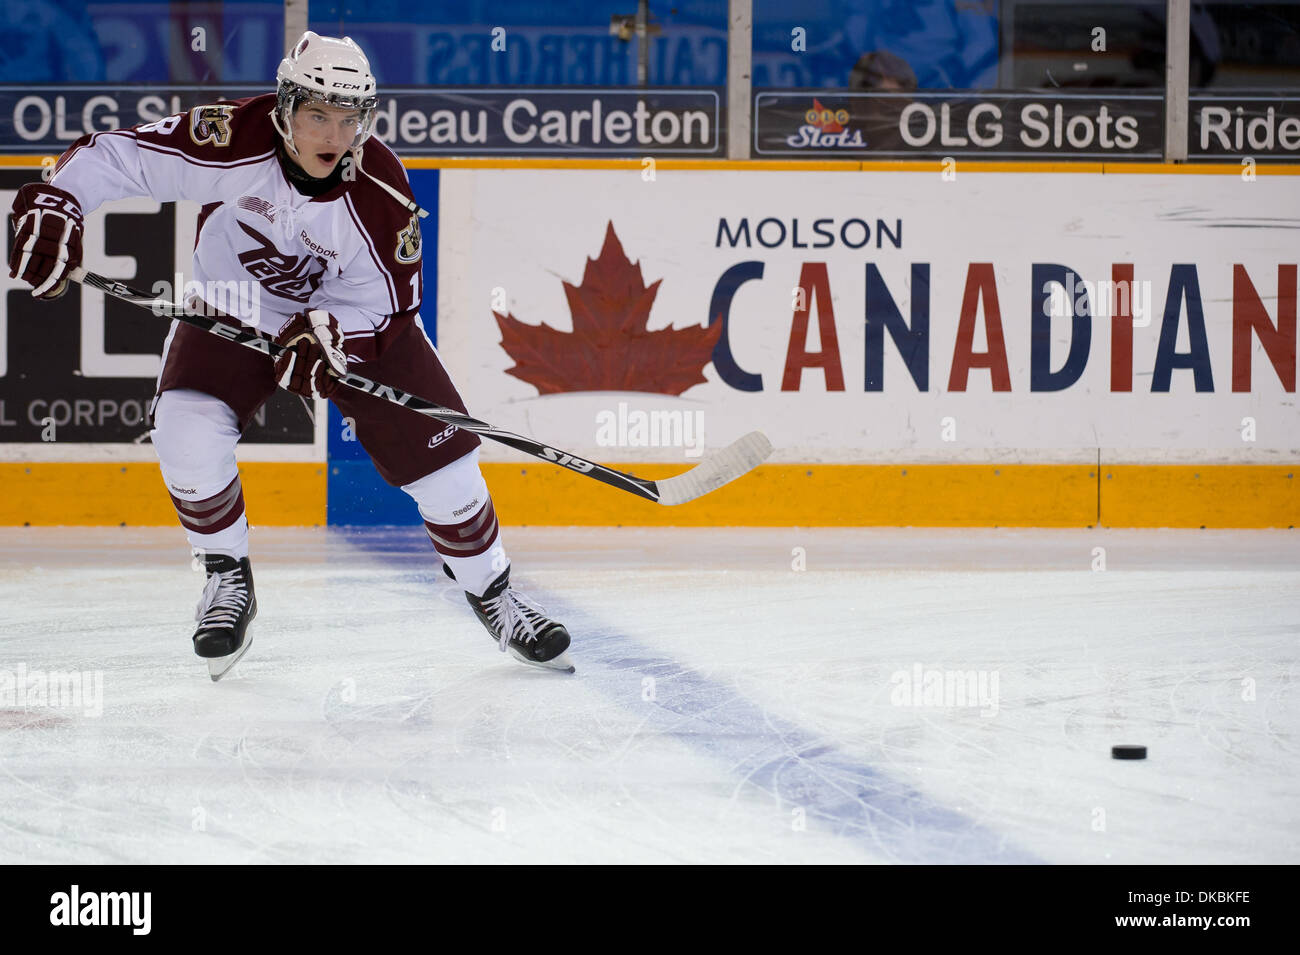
<point x="561" y="663"/>
<point x="220" y="666"/>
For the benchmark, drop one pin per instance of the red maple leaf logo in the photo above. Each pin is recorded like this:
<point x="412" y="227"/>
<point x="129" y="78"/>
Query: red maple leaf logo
<point x="610" y="348"/>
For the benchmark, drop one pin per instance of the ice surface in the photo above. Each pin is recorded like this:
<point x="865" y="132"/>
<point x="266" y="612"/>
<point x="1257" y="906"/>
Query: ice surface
<point x="727" y="707"/>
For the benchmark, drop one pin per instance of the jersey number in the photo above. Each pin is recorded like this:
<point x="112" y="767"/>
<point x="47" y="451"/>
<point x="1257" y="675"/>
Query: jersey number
<point x="417" y="283"/>
<point x="164" y="127"/>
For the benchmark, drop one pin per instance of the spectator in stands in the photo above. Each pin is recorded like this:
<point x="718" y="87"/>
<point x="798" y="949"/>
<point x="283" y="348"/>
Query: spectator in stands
<point x="880" y="72"/>
<point x="883" y="72"/>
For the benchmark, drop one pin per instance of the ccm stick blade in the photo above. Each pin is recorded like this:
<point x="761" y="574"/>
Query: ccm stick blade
<point x="737" y="458"/>
<point x="710" y="474"/>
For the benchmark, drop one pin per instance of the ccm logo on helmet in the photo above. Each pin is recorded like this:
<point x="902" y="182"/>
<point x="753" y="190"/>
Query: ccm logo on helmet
<point x="347" y="86"/>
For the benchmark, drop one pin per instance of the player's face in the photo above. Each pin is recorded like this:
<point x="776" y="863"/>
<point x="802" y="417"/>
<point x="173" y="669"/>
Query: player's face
<point x="322" y="135"/>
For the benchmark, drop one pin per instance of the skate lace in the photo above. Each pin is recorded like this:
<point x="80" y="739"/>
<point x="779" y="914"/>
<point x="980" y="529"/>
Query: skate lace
<point x="514" y="616"/>
<point x="224" y="598"/>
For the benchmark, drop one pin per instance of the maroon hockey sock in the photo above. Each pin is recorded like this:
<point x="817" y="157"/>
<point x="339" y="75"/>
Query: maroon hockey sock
<point x="212" y="514"/>
<point x="469" y="538"/>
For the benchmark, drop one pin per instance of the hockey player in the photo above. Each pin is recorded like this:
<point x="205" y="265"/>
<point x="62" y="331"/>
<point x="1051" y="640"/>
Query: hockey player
<point x="332" y="248"/>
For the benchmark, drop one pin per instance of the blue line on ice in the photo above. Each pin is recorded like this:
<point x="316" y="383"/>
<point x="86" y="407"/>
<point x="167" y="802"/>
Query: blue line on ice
<point x="891" y="820"/>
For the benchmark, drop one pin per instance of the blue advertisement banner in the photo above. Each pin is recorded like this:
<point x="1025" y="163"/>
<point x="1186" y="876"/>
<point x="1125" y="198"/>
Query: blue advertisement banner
<point x="1248" y="125"/>
<point x="1039" y="124"/>
<point x="456" y="121"/>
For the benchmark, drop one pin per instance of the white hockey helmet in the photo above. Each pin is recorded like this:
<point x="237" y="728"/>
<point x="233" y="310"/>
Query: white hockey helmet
<point x="326" y="70"/>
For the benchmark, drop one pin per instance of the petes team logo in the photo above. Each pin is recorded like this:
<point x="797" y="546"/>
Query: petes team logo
<point x="287" y="276"/>
<point x="408" y="242"/>
<point x="211" y="125"/>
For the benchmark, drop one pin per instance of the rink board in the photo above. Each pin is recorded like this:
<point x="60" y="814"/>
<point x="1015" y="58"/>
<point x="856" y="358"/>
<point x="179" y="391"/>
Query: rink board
<point x="1014" y="344"/>
<point x="1082" y="455"/>
<point x="878" y="317"/>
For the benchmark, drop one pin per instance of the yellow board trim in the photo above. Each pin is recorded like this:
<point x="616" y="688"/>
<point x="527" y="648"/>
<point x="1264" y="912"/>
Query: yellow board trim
<point x="1197" y="496"/>
<point x="293" y="494"/>
<point x="104" y="493"/>
<point x="923" y="495"/>
<point x="815" y="495"/>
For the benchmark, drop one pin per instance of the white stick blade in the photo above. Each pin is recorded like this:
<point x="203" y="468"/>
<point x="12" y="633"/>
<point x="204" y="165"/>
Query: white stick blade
<point x="739" y="457"/>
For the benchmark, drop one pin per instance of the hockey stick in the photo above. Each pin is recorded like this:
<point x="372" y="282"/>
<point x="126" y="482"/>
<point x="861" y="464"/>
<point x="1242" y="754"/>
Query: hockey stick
<point x="737" y="458"/>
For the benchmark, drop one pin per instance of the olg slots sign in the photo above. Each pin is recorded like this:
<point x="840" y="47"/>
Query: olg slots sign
<point x="1041" y="126"/>
<point x="1057" y="297"/>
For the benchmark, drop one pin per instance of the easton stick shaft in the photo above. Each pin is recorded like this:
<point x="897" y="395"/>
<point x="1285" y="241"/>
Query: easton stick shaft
<point x="711" y="473"/>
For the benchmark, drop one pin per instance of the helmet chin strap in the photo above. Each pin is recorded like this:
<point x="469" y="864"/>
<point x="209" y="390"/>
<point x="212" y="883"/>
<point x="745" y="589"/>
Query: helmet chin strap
<point x="285" y="134"/>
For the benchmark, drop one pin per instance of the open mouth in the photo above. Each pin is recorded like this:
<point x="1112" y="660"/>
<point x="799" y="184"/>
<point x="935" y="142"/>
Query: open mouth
<point x="327" y="158"/>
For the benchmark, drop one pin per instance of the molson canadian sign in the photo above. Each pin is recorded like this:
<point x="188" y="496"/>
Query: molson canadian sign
<point x="858" y="316"/>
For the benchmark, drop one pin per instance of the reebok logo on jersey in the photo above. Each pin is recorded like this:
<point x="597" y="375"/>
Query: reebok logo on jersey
<point x="442" y="436"/>
<point x="408" y="242"/>
<point x="317" y="247"/>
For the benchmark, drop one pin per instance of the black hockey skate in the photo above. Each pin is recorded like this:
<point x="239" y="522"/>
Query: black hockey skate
<point x="225" y="610"/>
<point x="520" y="626"/>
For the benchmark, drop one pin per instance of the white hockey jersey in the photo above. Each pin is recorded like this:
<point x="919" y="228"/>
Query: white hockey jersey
<point x="354" y="251"/>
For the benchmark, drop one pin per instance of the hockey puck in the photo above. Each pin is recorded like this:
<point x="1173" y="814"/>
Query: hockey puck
<point x="1128" y="752"/>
